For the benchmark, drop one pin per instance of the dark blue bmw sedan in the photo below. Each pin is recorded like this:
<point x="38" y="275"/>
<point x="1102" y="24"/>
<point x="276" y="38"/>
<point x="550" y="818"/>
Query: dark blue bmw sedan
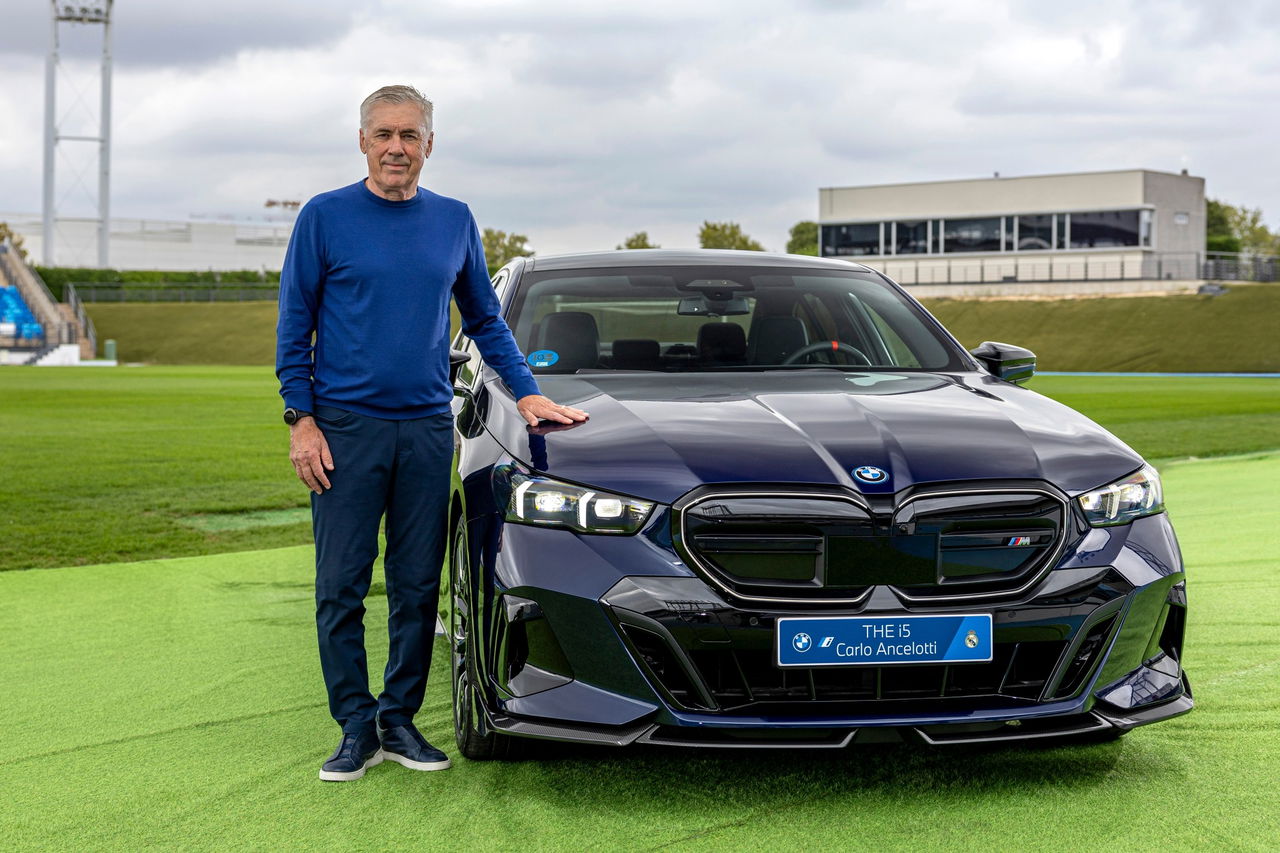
<point x="801" y="515"/>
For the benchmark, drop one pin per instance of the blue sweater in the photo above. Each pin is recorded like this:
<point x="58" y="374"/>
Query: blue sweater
<point x="371" y="279"/>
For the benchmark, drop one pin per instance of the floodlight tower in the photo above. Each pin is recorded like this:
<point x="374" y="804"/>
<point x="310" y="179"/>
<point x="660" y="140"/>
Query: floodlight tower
<point x="97" y="12"/>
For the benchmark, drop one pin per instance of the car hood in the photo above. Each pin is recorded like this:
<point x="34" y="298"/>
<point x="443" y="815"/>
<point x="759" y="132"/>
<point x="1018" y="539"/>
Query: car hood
<point x="656" y="435"/>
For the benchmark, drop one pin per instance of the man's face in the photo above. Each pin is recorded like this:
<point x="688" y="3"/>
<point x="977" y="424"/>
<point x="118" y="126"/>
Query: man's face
<point x="395" y="146"/>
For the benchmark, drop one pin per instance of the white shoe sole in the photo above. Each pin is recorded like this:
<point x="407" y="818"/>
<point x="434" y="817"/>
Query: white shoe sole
<point x="416" y="765"/>
<point x="352" y="775"/>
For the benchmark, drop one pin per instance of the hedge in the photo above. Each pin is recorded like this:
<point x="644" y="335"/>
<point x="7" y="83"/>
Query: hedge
<point x="57" y="277"/>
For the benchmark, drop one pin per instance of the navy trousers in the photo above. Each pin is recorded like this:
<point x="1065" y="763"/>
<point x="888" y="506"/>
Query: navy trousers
<point x="400" y="470"/>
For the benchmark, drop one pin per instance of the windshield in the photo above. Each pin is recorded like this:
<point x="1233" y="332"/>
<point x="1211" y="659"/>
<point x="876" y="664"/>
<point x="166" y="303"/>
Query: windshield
<point x="721" y="318"/>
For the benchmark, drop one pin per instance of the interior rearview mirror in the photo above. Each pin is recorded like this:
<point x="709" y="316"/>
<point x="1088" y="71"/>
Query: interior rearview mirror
<point x="702" y="306"/>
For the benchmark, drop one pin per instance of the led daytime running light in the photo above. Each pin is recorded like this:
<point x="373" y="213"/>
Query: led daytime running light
<point x="548" y="503"/>
<point x="1134" y="496"/>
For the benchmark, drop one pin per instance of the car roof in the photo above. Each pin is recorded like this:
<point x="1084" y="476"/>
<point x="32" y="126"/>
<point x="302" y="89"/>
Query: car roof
<point x="685" y="257"/>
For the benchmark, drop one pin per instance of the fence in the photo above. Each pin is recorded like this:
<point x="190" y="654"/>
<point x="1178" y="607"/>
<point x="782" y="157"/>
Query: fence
<point x="74" y="302"/>
<point x="96" y="291"/>
<point x="1024" y="267"/>
<point x="1188" y="266"/>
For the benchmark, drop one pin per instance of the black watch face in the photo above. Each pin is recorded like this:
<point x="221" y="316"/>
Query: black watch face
<point x="291" y="416"/>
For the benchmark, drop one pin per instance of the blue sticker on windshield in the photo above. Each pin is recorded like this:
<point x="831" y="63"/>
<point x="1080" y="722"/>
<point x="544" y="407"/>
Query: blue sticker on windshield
<point x="543" y="358"/>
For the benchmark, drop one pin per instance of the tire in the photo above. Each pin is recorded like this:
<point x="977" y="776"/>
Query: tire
<point x="473" y="742"/>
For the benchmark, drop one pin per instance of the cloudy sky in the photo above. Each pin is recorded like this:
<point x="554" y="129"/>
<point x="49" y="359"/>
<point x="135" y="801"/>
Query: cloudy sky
<point x="578" y="123"/>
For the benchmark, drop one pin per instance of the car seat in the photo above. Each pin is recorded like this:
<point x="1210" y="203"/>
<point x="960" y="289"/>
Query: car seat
<point x="636" y="354"/>
<point x="775" y="338"/>
<point x="722" y="344"/>
<point x="573" y="336"/>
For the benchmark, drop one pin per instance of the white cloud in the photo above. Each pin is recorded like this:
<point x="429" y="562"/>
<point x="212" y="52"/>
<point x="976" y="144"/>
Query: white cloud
<point x="580" y="123"/>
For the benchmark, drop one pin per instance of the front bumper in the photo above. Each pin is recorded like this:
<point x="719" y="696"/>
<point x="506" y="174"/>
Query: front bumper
<point x="654" y="654"/>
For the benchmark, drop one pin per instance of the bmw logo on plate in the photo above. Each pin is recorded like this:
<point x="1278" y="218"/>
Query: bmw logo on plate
<point x="871" y="474"/>
<point x="801" y="642"/>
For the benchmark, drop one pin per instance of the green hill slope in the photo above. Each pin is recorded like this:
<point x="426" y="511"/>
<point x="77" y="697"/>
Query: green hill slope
<point x="188" y="332"/>
<point x="1237" y="331"/>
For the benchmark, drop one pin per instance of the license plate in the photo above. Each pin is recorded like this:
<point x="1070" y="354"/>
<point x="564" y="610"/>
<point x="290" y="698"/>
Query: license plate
<point x="879" y="640"/>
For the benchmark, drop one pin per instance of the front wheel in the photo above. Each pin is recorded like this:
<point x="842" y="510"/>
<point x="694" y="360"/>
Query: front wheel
<point x="475" y="741"/>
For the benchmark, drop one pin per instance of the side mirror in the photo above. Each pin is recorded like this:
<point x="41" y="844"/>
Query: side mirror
<point x="457" y="358"/>
<point x="1010" y="363"/>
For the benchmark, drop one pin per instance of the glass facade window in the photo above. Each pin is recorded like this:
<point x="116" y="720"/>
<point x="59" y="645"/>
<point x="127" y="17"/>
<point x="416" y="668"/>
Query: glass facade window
<point x="912" y="238"/>
<point x="1027" y="232"/>
<point x="1035" y="233"/>
<point x="971" y="235"/>
<point x="858" y="239"/>
<point x="1105" y="230"/>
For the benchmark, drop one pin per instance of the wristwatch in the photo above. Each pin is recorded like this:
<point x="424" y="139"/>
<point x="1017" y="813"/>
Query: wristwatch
<point x="292" y="415"/>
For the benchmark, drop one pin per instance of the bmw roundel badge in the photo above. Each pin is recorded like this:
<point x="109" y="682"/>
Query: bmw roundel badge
<point x="801" y="642"/>
<point x="871" y="474"/>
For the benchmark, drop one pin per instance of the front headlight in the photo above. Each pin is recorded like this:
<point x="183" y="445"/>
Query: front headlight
<point x="539" y="500"/>
<point x="1124" y="500"/>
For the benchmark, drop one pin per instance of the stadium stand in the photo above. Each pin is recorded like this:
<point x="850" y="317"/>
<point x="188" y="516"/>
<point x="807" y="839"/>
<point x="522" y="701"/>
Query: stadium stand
<point x="16" y="320"/>
<point x="34" y="327"/>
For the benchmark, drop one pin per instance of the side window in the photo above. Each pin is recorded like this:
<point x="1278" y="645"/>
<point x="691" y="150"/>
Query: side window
<point x="500" y="283"/>
<point x="467" y="375"/>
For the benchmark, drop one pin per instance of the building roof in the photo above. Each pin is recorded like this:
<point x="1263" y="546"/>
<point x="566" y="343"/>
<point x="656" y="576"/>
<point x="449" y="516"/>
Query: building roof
<point x="999" y="177"/>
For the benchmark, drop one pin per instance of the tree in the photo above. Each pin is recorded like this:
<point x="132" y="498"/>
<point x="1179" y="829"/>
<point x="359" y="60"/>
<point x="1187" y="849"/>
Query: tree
<point x="638" y="240"/>
<point x="726" y="235"/>
<point x="1238" y="229"/>
<point x="7" y="233"/>
<point x="500" y="247"/>
<point x="1255" y="237"/>
<point x="1219" y="235"/>
<point x="804" y="239"/>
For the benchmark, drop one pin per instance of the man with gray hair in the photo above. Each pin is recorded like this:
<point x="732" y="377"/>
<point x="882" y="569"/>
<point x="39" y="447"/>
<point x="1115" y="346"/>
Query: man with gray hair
<point x="362" y="357"/>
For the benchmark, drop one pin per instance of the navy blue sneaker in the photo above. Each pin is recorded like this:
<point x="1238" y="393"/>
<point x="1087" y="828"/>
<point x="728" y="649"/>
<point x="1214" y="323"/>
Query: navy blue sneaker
<point x="354" y="755"/>
<point x="407" y="747"/>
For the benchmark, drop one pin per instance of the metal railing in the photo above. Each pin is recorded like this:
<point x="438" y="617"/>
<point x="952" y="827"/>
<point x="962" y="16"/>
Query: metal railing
<point x="1241" y="266"/>
<point x="1030" y="268"/>
<point x="72" y="297"/>
<point x="96" y="291"/>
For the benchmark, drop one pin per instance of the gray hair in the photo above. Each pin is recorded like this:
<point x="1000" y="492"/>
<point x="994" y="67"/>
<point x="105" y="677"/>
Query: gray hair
<point x="396" y="95"/>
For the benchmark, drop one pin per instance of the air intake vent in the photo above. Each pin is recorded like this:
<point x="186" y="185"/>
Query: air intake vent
<point x="663" y="666"/>
<point x="744" y="679"/>
<point x="1082" y="660"/>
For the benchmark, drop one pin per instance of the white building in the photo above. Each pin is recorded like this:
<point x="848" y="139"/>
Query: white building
<point x="1126" y="224"/>
<point x="152" y="244"/>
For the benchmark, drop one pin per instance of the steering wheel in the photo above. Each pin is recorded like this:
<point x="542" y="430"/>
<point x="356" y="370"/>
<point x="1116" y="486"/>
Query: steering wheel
<point x="827" y="346"/>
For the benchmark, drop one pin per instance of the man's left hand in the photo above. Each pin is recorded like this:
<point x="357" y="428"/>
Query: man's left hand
<point x="536" y="407"/>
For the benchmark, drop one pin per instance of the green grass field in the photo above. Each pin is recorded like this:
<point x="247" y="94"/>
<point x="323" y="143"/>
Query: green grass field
<point x="178" y="704"/>
<point x="105" y="465"/>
